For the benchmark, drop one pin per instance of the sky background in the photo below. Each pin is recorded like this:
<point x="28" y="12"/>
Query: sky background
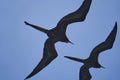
<point x="21" y="47"/>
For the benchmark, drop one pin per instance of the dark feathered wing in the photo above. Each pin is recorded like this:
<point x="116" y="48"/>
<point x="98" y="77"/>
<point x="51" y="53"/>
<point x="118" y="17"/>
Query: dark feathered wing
<point x="77" y="16"/>
<point x="37" y="27"/>
<point x="75" y="59"/>
<point x="107" y="44"/>
<point x="49" y="55"/>
<point x="84" y="73"/>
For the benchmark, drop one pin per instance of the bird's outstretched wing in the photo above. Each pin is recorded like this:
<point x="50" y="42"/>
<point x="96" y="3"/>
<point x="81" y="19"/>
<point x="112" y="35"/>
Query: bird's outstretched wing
<point x="36" y="27"/>
<point x="107" y="44"/>
<point x="84" y="73"/>
<point x="49" y="54"/>
<point x="77" y="16"/>
<point x="75" y="59"/>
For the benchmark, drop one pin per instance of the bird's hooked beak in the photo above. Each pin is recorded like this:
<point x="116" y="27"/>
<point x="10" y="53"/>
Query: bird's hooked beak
<point x="71" y="42"/>
<point x="68" y="41"/>
<point x="103" y="67"/>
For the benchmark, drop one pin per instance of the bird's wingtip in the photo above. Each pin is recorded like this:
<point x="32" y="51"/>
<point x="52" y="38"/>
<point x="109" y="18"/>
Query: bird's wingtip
<point x="116" y="24"/>
<point x="25" y="79"/>
<point x="26" y="22"/>
<point x="66" y="56"/>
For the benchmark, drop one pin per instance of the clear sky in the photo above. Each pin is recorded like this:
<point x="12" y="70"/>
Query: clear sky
<point x="21" y="47"/>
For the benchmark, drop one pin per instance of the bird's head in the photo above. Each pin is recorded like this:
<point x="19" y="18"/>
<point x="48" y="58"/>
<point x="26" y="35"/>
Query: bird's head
<point x="68" y="41"/>
<point x="100" y="66"/>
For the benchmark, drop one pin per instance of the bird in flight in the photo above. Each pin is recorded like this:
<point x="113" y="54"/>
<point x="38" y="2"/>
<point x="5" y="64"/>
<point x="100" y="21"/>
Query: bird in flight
<point x="92" y="60"/>
<point x="58" y="34"/>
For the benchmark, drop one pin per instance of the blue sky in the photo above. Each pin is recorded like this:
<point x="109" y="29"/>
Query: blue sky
<point x="21" y="47"/>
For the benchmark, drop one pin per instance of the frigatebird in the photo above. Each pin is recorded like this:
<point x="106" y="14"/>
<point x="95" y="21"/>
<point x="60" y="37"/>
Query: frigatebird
<point x="92" y="60"/>
<point x="58" y="34"/>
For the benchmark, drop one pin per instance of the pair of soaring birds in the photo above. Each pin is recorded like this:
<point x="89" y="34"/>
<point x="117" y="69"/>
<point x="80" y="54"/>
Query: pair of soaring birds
<point x="59" y="34"/>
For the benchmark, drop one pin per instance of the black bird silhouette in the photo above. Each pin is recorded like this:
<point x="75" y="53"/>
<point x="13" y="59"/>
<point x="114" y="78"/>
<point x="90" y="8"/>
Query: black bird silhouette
<point x="58" y="34"/>
<point x="92" y="60"/>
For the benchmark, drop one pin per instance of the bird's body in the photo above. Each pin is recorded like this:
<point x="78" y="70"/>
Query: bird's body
<point x="58" y="34"/>
<point x="92" y="60"/>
